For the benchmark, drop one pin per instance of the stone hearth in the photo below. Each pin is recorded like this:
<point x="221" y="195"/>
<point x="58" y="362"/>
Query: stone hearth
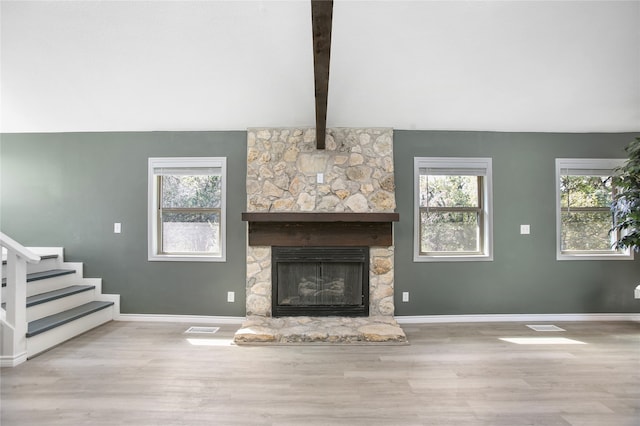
<point x="354" y="174"/>
<point x="320" y="330"/>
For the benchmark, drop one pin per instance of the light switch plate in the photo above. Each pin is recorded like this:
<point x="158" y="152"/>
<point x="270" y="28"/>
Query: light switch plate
<point x="117" y="228"/>
<point x="525" y="229"/>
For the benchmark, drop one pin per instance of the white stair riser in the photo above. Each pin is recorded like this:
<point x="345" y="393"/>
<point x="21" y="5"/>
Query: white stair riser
<point x="48" y="339"/>
<point x="43" y="265"/>
<point x="50" y="284"/>
<point x="77" y="266"/>
<point x="53" y="307"/>
<point x="96" y="282"/>
<point x="41" y="251"/>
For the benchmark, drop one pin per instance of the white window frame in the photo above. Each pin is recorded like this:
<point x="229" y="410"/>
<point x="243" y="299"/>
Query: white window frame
<point x="600" y="167"/>
<point x="452" y="163"/>
<point x="153" y="194"/>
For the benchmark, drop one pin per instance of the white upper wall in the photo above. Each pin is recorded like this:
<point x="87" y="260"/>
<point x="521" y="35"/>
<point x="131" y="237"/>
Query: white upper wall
<point x="228" y="65"/>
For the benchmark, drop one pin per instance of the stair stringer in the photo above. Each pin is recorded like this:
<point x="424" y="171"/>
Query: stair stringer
<point x="105" y="297"/>
<point x="97" y="282"/>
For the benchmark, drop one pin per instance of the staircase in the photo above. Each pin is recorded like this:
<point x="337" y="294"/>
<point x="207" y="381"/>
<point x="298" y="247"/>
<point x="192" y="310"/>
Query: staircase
<point x="59" y="303"/>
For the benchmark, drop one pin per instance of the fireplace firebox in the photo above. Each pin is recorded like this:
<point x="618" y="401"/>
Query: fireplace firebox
<point x="320" y="281"/>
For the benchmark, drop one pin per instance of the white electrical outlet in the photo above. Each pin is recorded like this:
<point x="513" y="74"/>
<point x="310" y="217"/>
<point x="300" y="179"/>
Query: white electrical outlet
<point x="525" y="229"/>
<point x="320" y="178"/>
<point x="117" y="228"/>
<point x="405" y="296"/>
<point x="231" y="296"/>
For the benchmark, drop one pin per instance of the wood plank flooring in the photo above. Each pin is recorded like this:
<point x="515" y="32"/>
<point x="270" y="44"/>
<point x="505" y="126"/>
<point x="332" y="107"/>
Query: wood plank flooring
<point x="132" y="373"/>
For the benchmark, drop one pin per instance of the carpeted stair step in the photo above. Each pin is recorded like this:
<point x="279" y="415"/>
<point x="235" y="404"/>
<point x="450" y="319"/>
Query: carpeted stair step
<point x="42" y="257"/>
<point x="57" y="294"/>
<point x="54" y="295"/>
<point x="52" y="321"/>
<point x="36" y="276"/>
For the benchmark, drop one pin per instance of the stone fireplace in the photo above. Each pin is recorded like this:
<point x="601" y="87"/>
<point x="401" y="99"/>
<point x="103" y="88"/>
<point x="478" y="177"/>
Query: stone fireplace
<point x="312" y="200"/>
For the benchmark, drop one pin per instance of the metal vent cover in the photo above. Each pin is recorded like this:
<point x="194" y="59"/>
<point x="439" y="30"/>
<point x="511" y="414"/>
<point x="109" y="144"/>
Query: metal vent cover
<point x="202" y="330"/>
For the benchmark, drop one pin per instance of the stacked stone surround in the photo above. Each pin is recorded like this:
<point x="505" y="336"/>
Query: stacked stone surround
<point x="282" y="168"/>
<point x="282" y="176"/>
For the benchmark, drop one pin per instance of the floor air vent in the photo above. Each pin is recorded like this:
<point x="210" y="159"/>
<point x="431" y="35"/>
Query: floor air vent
<point x="545" y="328"/>
<point x="202" y="330"/>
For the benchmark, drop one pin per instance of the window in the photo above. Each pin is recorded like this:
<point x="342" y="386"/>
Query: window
<point x="187" y="209"/>
<point x="584" y="192"/>
<point x="453" y="209"/>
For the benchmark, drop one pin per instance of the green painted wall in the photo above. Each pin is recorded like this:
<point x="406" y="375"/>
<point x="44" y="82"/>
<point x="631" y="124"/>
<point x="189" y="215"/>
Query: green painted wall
<point x="524" y="277"/>
<point x="68" y="190"/>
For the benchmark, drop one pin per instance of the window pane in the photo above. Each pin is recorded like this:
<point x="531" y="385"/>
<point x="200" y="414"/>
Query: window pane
<point x="449" y="232"/>
<point x="586" y="231"/>
<point x="585" y="191"/>
<point x="191" y="232"/>
<point x="448" y="191"/>
<point x="191" y="191"/>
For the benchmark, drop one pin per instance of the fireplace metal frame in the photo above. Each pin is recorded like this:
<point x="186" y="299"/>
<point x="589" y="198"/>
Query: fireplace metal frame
<point x="314" y="255"/>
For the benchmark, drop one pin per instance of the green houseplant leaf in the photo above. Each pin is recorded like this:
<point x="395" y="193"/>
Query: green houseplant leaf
<point x="626" y="200"/>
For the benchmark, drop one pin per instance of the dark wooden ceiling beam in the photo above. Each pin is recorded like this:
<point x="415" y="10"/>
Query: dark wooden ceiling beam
<point x="321" y="17"/>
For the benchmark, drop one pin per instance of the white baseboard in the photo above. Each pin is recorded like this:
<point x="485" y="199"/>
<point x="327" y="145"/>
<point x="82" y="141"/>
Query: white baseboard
<point x="418" y="319"/>
<point x="12" y="361"/>
<point x="195" y="319"/>
<point x="428" y="319"/>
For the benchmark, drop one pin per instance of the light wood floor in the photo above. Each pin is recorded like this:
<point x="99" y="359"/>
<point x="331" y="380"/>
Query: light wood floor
<point x="131" y="373"/>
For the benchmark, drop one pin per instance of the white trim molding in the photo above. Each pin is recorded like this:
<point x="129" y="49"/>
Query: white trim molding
<point x="196" y="319"/>
<point x="402" y="319"/>
<point x="12" y="361"/>
<point x="434" y="319"/>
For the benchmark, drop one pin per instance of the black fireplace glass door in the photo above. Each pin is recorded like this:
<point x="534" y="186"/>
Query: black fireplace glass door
<point x="319" y="284"/>
<point x="320" y="281"/>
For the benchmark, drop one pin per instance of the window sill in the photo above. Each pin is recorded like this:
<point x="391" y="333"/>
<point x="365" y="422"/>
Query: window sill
<point x="596" y="256"/>
<point x="185" y="258"/>
<point x="463" y="258"/>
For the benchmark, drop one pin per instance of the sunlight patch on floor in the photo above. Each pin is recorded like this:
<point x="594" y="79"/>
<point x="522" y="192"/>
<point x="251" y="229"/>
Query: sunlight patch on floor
<point x="211" y="342"/>
<point x="542" y="341"/>
<point x="545" y="327"/>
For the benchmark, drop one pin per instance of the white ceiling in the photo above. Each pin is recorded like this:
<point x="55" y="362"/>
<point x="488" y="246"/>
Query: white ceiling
<point x="569" y="66"/>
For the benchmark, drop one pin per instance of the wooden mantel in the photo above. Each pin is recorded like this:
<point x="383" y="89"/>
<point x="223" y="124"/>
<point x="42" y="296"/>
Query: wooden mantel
<point x="320" y="229"/>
